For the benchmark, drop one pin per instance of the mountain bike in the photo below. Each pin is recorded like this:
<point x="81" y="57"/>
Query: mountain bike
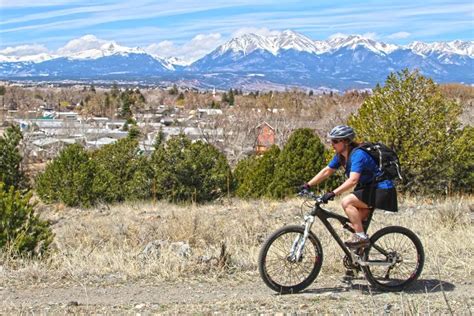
<point x="291" y="258"/>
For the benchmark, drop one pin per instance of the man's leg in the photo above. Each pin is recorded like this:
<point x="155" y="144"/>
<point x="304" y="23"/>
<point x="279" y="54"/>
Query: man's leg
<point x="356" y="211"/>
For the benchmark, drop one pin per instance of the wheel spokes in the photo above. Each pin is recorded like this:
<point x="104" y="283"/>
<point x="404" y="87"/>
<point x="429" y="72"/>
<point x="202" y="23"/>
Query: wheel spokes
<point x="398" y="249"/>
<point x="281" y="269"/>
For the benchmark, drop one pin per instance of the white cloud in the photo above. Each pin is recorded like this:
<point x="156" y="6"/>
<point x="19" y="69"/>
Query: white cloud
<point x="399" y="35"/>
<point x="24" y="50"/>
<point x="370" y="35"/>
<point x="81" y="44"/>
<point x="164" y="48"/>
<point x="338" y="35"/>
<point x="190" y="51"/>
<point x="28" y="3"/>
<point x="259" y="31"/>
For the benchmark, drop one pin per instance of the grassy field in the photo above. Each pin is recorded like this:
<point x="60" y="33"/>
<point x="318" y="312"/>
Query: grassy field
<point x="104" y="247"/>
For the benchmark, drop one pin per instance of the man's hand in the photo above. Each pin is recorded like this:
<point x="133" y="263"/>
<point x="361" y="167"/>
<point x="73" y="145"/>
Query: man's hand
<point x="328" y="196"/>
<point x="304" y="187"/>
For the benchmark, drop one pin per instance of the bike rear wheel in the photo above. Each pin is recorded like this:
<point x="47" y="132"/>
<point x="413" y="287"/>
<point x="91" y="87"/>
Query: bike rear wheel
<point x="279" y="270"/>
<point x="403" y="249"/>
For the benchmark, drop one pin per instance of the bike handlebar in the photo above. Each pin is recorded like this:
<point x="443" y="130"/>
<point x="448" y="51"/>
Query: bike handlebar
<point x="311" y="195"/>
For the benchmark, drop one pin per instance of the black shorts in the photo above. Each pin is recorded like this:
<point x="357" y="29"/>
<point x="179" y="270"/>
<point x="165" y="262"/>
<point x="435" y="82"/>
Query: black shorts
<point x="385" y="199"/>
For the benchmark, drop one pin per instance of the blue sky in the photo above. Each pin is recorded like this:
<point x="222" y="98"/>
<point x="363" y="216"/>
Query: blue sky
<point x="191" y="27"/>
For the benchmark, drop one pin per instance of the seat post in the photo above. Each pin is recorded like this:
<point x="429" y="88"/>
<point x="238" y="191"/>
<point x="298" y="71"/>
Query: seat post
<point x="366" y="223"/>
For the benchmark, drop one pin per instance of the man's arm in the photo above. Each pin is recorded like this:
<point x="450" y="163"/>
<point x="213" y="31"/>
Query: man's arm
<point x="348" y="184"/>
<point x="321" y="176"/>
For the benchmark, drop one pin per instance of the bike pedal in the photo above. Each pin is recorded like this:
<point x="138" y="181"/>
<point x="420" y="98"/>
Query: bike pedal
<point x="348" y="276"/>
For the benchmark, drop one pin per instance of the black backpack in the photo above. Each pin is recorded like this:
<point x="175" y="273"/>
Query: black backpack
<point x="386" y="159"/>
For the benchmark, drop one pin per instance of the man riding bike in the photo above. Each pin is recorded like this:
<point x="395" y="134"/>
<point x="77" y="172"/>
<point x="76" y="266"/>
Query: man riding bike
<point x="361" y="171"/>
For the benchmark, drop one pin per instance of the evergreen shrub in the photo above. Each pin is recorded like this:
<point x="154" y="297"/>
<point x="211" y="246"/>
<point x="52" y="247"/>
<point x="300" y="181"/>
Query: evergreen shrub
<point x="186" y="171"/>
<point x="68" y="178"/>
<point x="21" y="230"/>
<point x="410" y="115"/>
<point x="10" y="158"/>
<point x="121" y="172"/>
<point x="302" y="157"/>
<point x="254" y="175"/>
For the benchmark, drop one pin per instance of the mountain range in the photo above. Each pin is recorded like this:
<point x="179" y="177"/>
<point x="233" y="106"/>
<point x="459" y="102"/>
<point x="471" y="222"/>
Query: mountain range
<point x="256" y="62"/>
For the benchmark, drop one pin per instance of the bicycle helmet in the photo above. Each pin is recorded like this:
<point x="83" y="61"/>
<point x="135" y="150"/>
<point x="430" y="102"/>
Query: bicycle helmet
<point x="342" y="132"/>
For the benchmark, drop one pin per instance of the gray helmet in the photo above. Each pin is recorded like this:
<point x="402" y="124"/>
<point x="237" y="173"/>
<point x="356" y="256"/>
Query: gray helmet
<point x="342" y="132"/>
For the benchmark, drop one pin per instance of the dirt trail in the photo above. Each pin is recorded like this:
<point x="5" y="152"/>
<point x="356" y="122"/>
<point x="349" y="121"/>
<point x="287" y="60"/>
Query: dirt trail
<point x="328" y="294"/>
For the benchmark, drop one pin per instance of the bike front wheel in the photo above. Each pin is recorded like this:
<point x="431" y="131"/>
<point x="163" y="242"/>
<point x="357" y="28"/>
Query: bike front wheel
<point x="395" y="258"/>
<point x="279" y="268"/>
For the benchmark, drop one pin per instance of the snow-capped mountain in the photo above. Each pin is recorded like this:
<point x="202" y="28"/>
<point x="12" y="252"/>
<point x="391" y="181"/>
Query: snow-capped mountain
<point x="286" y="40"/>
<point x="340" y="62"/>
<point x="285" y="59"/>
<point x="87" y="58"/>
<point x="108" y="49"/>
<point x="455" y="47"/>
<point x="124" y="66"/>
<point x="289" y="40"/>
<point x="354" y="41"/>
<point x="36" y="58"/>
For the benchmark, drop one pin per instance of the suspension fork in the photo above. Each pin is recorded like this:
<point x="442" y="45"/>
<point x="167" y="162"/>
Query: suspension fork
<point x="298" y="244"/>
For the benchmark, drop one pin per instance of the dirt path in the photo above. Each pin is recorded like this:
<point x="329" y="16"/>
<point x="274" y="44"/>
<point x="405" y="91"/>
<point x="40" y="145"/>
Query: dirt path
<point x="328" y="295"/>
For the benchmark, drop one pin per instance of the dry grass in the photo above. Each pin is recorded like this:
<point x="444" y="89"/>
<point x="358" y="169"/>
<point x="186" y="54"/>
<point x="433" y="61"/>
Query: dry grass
<point x="96" y="243"/>
<point x="103" y="245"/>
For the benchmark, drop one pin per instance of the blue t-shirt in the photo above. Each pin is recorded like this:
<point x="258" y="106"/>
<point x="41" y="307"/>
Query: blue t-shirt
<point x="362" y="162"/>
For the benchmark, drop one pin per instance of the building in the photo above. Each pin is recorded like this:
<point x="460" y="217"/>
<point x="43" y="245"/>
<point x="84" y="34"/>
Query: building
<point x="265" y="137"/>
<point x="205" y="113"/>
<point x="68" y="116"/>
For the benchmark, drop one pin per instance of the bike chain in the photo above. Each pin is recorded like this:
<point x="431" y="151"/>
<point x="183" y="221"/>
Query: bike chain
<point x="348" y="264"/>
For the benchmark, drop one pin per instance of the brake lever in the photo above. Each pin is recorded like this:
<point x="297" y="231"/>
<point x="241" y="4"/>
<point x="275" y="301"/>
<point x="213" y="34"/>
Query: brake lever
<point x="303" y="192"/>
<point x="307" y="193"/>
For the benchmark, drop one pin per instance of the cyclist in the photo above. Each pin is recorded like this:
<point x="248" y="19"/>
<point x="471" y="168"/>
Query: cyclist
<point x="361" y="171"/>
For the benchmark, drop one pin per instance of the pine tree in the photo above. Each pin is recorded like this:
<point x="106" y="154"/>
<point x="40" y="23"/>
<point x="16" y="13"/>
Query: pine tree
<point x="141" y="98"/>
<point x="255" y="174"/>
<point x="173" y="90"/>
<point x="22" y="232"/>
<point x="68" y="178"/>
<point x="10" y="158"/>
<point x="126" y="112"/>
<point x="119" y="166"/>
<point x="224" y="97"/>
<point x="410" y="115"/>
<point x="159" y="139"/>
<point x="107" y="104"/>
<point x="215" y="105"/>
<point x="186" y="171"/>
<point x="114" y="91"/>
<point x="134" y="132"/>
<point x="462" y="171"/>
<point x="231" y="97"/>
<point x="301" y="158"/>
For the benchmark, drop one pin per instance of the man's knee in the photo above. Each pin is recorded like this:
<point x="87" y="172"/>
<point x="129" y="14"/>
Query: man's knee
<point x="347" y="201"/>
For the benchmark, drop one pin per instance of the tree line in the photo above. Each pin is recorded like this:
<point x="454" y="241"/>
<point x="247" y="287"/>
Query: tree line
<point x="408" y="113"/>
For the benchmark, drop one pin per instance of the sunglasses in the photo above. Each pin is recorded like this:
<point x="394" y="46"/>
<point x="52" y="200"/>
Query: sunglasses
<point x="335" y="141"/>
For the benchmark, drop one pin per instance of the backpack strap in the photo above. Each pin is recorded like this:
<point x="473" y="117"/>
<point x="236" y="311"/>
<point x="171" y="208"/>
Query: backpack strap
<point x="370" y="185"/>
<point x="348" y="162"/>
<point x="374" y="180"/>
